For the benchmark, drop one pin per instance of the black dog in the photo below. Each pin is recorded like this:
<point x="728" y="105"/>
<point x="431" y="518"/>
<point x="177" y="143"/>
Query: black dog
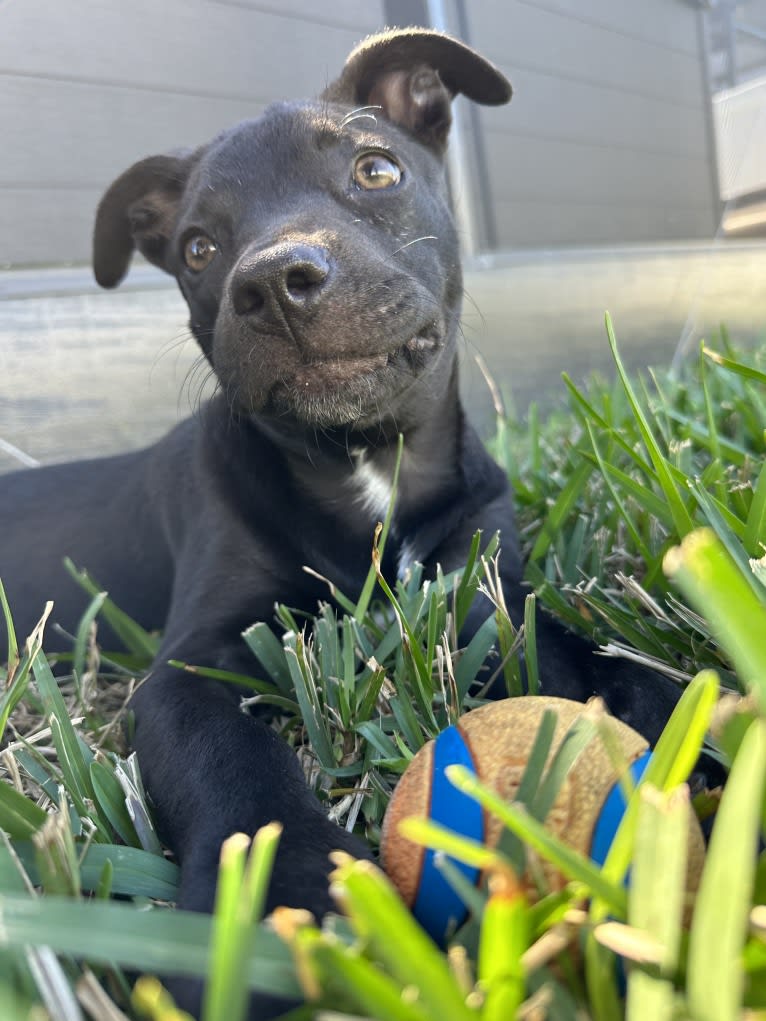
<point x="319" y="259"/>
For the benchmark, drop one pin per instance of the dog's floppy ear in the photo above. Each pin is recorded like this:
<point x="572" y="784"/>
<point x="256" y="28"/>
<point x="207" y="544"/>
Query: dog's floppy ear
<point x="414" y="74"/>
<point x="139" y="211"/>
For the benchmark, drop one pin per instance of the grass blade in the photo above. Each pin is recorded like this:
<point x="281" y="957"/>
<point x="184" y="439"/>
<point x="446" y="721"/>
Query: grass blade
<point x="309" y="700"/>
<point x="656" y="899"/>
<point x="111" y="800"/>
<point x="134" y="872"/>
<point x="619" y="502"/>
<point x="269" y="651"/>
<point x="19" y="816"/>
<point x="568" y="861"/>
<point x="561" y="509"/>
<point x="240" y="898"/>
<point x="343" y="976"/>
<point x="746" y="371"/>
<point x="504" y="939"/>
<point x="13" y="645"/>
<point x="82" y="636"/>
<point x="441" y="838"/>
<point x="711" y="581"/>
<point x="75" y="763"/>
<point x="681" y="516"/>
<point x="154" y="940"/>
<point x="474" y="656"/>
<point x="727" y="536"/>
<point x="360" y="611"/>
<point x="530" y="644"/>
<point x="715" y="973"/>
<point x="754" y="538"/>
<point x="379" y="916"/>
<point x="673" y="759"/>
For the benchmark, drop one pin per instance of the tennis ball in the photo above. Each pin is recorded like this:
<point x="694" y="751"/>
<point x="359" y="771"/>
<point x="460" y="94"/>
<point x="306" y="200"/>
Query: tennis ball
<point x="495" y="742"/>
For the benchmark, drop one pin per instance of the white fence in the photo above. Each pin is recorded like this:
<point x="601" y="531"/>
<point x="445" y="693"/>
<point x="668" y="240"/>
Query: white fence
<point x="739" y="116"/>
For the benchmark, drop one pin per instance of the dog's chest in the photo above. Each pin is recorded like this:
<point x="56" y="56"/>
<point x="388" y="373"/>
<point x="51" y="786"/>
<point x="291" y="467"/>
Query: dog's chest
<point x="371" y="487"/>
<point x="372" y="491"/>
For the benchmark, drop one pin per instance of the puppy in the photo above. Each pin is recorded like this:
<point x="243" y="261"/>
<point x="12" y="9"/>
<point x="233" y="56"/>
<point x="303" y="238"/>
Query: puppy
<point x="317" y="253"/>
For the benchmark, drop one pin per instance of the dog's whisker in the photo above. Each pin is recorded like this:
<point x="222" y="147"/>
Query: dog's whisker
<point x="415" y="241"/>
<point x="360" y="112"/>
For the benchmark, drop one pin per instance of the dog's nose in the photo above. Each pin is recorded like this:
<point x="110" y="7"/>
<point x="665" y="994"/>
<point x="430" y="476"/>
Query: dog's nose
<point x="289" y="278"/>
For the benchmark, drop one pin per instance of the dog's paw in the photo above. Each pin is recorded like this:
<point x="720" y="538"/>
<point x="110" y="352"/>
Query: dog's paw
<point x="302" y="867"/>
<point x="300" y="878"/>
<point x="708" y="775"/>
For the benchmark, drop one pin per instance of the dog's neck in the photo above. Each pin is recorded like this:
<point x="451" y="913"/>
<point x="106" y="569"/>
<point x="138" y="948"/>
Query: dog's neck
<point x="346" y="468"/>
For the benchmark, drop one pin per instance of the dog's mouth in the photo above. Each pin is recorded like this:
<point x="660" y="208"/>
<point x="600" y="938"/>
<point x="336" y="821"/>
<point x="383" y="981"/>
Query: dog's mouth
<point x="342" y="388"/>
<point x="332" y="373"/>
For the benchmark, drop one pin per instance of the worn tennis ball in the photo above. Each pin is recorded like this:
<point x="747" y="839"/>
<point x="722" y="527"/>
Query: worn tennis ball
<point x="495" y="742"/>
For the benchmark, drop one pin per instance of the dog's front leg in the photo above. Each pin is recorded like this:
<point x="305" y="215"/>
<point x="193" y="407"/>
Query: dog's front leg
<point x="212" y="770"/>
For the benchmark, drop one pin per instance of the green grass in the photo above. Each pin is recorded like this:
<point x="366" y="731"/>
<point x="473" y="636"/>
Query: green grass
<point x="643" y="512"/>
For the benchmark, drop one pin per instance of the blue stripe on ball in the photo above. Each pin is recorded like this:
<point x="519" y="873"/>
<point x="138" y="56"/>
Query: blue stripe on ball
<point x="613" y="811"/>
<point x="437" y="905"/>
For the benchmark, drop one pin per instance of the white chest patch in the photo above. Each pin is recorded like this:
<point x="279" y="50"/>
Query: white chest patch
<point x="373" y="492"/>
<point x="373" y="488"/>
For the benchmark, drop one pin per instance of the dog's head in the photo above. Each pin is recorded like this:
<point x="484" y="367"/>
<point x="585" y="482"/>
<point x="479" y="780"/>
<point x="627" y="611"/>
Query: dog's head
<point x="315" y="245"/>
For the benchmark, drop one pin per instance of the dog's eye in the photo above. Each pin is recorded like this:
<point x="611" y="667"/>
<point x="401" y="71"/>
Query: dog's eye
<point x="199" y="252"/>
<point x="376" y="170"/>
